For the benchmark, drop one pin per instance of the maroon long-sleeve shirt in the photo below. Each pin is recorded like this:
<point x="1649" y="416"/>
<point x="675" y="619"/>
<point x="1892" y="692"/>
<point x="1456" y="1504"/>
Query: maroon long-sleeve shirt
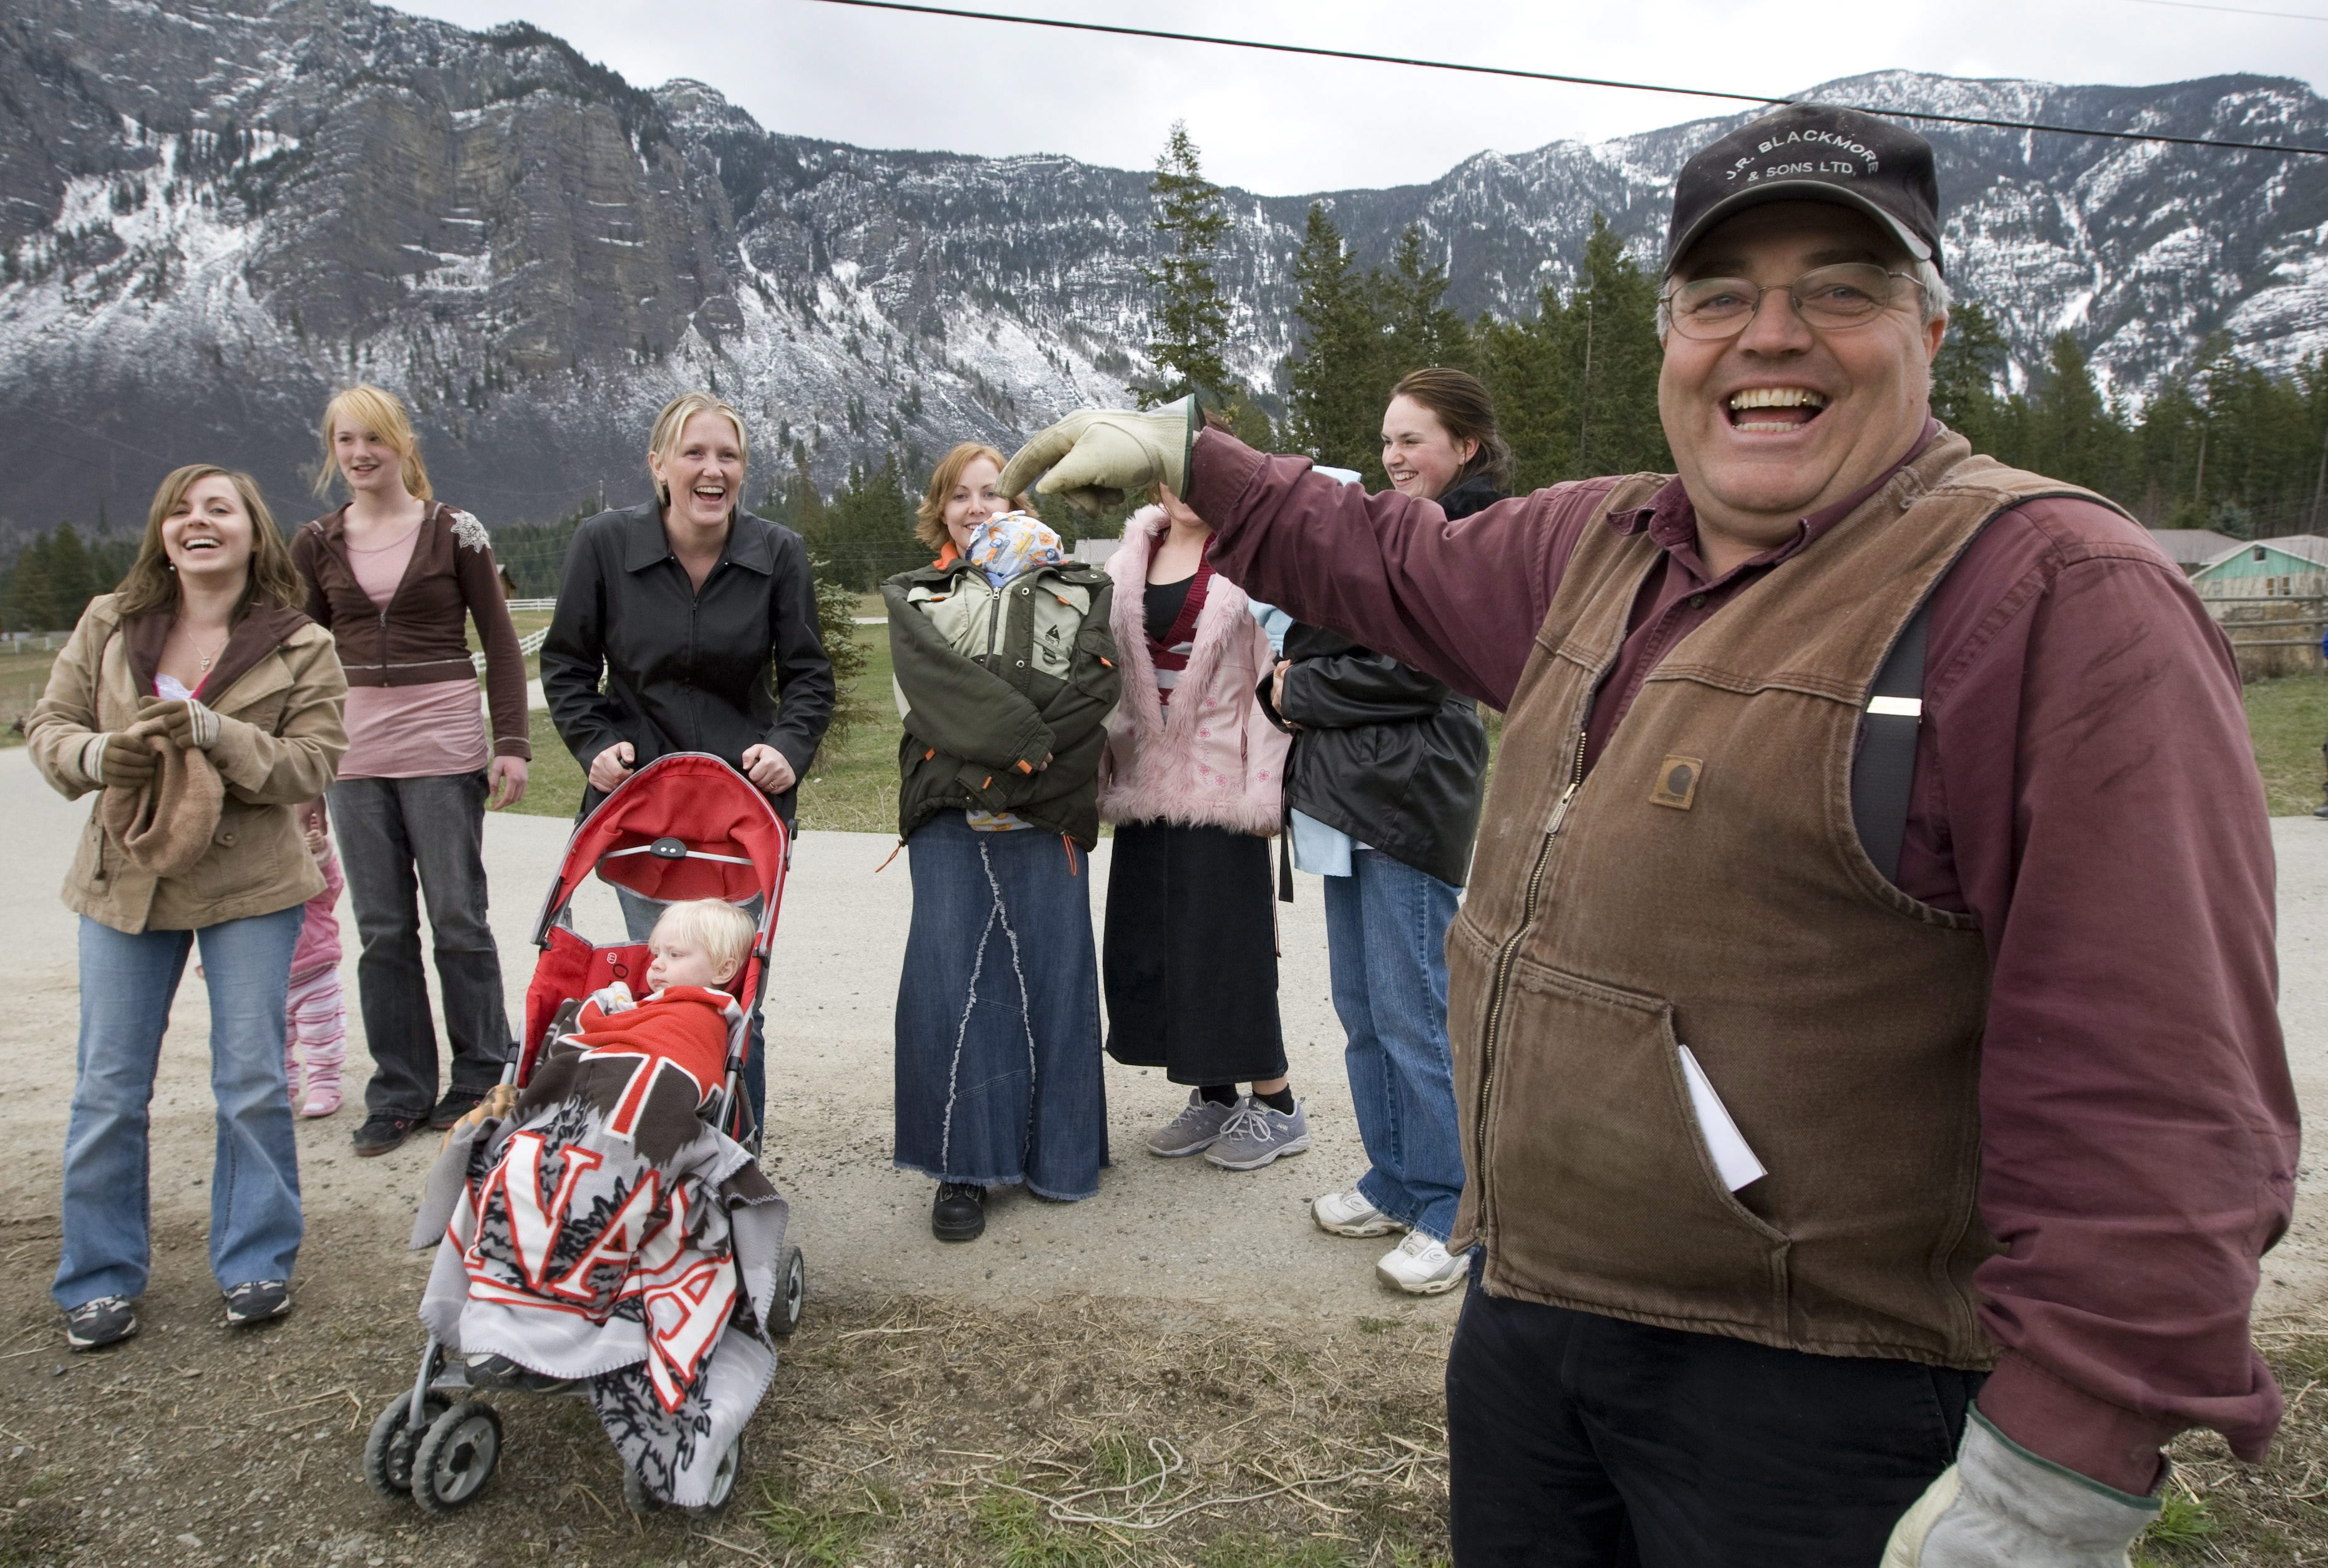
<point x="2084" y="786"/>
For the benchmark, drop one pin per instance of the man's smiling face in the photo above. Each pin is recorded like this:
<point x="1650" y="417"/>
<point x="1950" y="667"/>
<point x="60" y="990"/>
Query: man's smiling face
<point x="1784" y="419"/>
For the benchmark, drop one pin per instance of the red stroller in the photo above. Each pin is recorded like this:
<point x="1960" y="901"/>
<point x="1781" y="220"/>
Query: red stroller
<point x="684" y="826"/>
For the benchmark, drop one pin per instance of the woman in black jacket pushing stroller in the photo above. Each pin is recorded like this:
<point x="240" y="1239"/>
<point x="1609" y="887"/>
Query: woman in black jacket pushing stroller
<point x="685" y="608"/>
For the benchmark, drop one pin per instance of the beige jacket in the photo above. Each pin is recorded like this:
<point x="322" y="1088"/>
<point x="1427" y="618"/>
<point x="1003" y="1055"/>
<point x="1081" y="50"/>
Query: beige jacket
<point x="278" y="691"/>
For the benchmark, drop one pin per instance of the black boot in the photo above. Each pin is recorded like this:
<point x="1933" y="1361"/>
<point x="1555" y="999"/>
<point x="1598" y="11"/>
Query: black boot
<point x="959" y="1215"/>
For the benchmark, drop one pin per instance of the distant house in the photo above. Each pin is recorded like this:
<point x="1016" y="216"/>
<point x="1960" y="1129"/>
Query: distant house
<point x="2191" y="548"/>
<point x="1094" y="552"/>
<point x="2294" y="564"/>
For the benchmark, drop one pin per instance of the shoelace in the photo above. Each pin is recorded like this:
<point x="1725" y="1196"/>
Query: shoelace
<point x="1247" y="1120"/>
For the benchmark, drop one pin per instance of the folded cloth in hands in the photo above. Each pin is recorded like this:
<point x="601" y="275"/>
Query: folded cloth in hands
<point x="166" y="823"/>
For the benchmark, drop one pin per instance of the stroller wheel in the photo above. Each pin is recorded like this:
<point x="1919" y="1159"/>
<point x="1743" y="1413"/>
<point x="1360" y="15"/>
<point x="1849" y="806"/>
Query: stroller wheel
<point x="723" y="1487"/>
<point x="722" y="1478"/>
<point x="792" y="1291"/>
<point x="456" y="1457"/>
<point x="387" y="1452"/>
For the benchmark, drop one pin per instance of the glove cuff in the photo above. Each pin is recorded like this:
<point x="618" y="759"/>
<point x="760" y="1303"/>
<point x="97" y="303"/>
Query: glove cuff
<point x="91" y="760"/>
<point x="206" y="724"/>
<point x="2149" y="1504"/>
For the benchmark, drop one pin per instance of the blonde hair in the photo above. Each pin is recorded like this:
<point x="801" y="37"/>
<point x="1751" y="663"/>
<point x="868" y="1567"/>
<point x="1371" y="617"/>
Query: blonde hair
<point x="929" y="512"/>
<point x="151" y="585"/>
<point x="722" y="930"/>
<point x="671" y="424"/>
<point x="381" y="412"/>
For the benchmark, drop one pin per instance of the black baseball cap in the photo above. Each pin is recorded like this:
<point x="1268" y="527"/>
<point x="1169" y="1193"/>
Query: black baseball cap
<point x="1812" y="153"/>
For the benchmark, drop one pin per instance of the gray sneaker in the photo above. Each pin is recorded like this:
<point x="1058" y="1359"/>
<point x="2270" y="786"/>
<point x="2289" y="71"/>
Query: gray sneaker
<point x="1194" y="1130"/>
<point x="1254" y="1134"/>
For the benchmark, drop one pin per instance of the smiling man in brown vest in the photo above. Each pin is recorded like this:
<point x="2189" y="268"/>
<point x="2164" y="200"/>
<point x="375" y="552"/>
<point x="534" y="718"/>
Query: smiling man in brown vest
<point x="1822" y="1199"/>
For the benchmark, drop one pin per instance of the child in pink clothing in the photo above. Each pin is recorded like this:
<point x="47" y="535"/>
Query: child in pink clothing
<point x="318" y="1025"/>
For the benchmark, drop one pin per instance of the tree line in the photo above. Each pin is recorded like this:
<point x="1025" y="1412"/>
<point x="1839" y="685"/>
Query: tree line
<point x="2223" y="444"/>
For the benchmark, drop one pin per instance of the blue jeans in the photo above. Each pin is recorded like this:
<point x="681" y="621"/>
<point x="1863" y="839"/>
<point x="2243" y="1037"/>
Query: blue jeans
<point x="1386" y="948"/>
<point x="640" y="914"/>
<point x="127" y="985"/>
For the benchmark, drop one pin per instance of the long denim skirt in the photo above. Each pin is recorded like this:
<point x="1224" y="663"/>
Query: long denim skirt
<point x="998" y="1014"/>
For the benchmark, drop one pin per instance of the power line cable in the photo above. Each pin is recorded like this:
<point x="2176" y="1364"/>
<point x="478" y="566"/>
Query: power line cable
<point x="1117" y="30"/>
<point x="2235" y="9"/>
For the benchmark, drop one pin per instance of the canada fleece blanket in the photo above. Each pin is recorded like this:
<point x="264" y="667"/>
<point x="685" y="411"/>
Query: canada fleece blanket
<point x="565" y="1246"/>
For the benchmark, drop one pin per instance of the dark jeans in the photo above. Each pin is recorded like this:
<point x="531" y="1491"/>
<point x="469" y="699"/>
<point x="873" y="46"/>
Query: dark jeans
<point x="390" y="829"/>
<point x="640" y="914"/>
<point x="1577" y="1439"/>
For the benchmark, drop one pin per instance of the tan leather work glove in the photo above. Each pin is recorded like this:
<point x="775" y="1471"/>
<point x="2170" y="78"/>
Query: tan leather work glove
<point x="1094" y="457"/>
<point x="2000" y="1506"/>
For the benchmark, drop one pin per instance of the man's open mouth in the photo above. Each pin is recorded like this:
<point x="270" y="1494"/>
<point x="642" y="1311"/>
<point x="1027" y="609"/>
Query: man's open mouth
<point x="1774" y="409"/>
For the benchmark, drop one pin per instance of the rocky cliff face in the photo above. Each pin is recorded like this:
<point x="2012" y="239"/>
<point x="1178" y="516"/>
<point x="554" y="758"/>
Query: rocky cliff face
<point x="213" y="212"/>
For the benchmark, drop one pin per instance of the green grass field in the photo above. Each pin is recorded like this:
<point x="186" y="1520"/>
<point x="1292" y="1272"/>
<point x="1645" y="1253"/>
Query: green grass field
<point x="852" y="788"/>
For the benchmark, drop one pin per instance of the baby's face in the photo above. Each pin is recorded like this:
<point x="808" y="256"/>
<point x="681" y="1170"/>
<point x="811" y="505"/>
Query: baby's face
<point x="679" y="962"/>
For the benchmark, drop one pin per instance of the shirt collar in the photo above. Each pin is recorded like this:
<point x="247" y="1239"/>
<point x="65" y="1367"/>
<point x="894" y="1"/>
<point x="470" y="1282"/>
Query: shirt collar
<point x="750" y="542"/>
<point x="1671" y="521"/>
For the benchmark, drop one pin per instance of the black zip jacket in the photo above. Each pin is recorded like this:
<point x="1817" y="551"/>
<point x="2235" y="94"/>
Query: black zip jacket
<point x="686" y="671"/>
<point x="1383" y="752"/>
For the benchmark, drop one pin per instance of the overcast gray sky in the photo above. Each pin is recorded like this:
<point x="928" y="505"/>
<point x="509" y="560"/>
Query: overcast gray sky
<point x="1281" y="125"/>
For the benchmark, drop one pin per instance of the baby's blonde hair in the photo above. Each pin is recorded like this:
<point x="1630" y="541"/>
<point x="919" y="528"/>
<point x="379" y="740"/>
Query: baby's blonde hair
<point x="724" y="932"/>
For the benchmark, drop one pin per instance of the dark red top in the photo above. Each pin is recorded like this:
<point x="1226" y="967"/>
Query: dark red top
<point x="2084" y="786"/>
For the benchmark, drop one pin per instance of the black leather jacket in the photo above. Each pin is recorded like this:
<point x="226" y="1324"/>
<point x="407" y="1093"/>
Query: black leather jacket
<point x="687" y="671"/>
<point x="1384" y="753"/>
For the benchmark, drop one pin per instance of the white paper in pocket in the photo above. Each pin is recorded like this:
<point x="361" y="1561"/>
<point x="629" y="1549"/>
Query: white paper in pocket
<point x="1731" y="1158"/>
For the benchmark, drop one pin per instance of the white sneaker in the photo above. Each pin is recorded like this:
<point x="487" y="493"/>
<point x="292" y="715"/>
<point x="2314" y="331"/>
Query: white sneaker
<point x="1349" y="1213"/>
<point x="1421" y="1266"/>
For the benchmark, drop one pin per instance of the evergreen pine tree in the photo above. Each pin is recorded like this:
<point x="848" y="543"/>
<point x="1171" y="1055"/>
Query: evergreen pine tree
<point x="1421" y="330"/>
<point x="30" y="604"/>
<point x="1965" y="376"/>
<point x="1188" y="315"/>
<point x="72" y="581"/>
<point x="1332" y="377"/>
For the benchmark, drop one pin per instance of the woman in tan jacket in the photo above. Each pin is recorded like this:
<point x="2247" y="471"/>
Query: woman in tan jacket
<point x="203" y="705"/>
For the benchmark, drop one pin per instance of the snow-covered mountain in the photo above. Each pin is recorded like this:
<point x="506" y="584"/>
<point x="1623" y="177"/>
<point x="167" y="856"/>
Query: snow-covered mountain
<point x="210" y="212"/>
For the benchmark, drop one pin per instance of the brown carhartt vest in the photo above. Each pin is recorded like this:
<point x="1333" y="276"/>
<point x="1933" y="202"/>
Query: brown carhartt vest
<point x="1704" y="885"/>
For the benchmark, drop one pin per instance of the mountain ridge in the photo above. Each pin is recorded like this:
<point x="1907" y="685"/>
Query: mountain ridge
<point x="213" y="212"/>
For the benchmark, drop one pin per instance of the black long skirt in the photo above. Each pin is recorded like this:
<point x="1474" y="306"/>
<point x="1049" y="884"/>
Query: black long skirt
<point x="1190" y="958"/>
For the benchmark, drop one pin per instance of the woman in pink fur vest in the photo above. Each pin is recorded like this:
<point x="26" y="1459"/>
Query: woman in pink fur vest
<point x="1192" y="780"/>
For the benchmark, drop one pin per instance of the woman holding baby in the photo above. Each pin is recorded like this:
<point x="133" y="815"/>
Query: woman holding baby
<point x="1006" y="671"/>
<point x="203" y="705"/>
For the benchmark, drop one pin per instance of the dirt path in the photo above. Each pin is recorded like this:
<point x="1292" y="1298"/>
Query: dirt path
<point x="1067" y="1337"/>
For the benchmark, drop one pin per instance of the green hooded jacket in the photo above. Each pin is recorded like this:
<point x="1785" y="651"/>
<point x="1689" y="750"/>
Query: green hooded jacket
<point x="1005" y="693"/>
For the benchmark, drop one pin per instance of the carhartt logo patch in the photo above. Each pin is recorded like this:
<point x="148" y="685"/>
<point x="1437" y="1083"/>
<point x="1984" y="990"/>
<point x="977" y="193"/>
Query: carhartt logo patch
<point x="1676" y="785"/>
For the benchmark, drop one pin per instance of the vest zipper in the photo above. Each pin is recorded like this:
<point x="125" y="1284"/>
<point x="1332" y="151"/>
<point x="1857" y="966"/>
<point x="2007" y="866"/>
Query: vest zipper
<point x="1507" y="957"/>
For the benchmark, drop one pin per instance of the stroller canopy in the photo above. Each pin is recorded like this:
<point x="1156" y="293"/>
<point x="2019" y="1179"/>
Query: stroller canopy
<point x="684" y="826"/>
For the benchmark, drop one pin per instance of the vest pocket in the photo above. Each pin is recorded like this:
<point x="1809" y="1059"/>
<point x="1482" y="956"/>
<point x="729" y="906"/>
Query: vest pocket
<point x="1600" y="1189"/>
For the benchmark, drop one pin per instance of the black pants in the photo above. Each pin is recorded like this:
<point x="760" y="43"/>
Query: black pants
<point x="389" y="830"/>
<point x="1579" y="1439"/>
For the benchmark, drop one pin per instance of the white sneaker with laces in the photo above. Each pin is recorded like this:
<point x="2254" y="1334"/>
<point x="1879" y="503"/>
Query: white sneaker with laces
<point x="1349" y="1213"/>
<point x="1422" y="1267"/>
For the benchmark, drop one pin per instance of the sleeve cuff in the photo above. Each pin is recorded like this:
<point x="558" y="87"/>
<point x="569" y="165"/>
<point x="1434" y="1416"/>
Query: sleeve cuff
<point x="2097" y="1439"/>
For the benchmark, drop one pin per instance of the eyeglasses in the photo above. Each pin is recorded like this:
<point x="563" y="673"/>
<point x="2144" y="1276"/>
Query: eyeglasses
<point x="1832" y="298"/>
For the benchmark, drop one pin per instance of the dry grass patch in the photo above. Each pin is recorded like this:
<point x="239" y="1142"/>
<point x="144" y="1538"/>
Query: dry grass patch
<point x="2221" y="1511"/>
<point x="1085" y="1432"/>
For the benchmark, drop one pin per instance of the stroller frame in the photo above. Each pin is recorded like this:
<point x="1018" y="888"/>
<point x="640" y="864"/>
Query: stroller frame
<point x="438" y="1444"/>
